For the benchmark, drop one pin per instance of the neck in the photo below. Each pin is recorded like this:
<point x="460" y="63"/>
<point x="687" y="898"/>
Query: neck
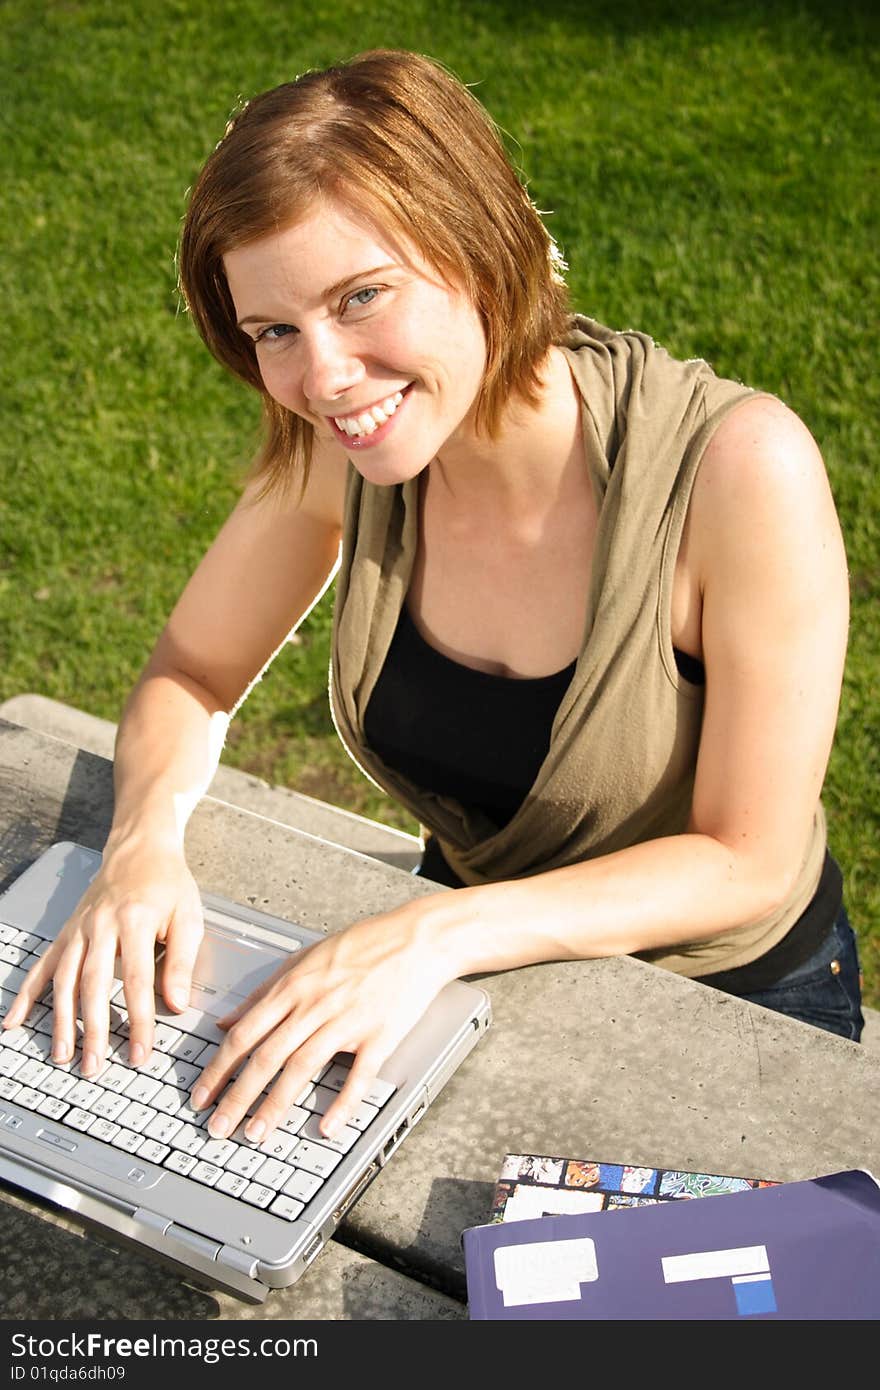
<point x="526" y="465"/>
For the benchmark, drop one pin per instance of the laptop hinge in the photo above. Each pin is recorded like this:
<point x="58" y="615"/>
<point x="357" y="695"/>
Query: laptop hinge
<point x="201" y="1259"/>
<point x="152" y="1219"/>
<point x="208" y="1249"/>
<point x="222" y="1254"/>
<point x="237" y="1259"/>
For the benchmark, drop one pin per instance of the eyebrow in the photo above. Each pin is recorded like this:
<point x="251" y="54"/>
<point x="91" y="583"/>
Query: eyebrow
<point x="331" y="291"/>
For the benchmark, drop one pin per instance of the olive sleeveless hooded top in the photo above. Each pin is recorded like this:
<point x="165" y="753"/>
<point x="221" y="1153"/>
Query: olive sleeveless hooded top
<point x="623" y="750"/>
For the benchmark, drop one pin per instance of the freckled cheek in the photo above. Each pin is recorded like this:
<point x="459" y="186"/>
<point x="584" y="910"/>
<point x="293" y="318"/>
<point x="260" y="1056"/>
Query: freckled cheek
<point x="283" y="385"/>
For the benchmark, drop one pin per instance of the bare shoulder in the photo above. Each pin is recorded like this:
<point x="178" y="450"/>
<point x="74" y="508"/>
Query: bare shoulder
<point x="762" y="480"/>
<point x="323" y="498"/>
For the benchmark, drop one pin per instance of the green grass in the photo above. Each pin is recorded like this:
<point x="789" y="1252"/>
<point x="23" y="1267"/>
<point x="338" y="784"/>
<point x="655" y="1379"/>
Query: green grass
<point x="711" y="171"/>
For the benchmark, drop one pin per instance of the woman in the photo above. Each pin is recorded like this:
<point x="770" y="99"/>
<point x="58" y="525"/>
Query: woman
<point x="590" y="619"/>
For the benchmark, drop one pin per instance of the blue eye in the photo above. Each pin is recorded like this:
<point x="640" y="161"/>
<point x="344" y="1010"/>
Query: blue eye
<point x="358" y="297"/>
<point x="274" y="333"/>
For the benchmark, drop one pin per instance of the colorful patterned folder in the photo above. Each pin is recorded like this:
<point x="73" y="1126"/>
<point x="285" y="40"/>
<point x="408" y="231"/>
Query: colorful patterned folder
<point x="531" y="1185"/>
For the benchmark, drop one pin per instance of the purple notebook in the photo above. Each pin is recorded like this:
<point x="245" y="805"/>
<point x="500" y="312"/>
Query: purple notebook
<point x="796" y="1250"/>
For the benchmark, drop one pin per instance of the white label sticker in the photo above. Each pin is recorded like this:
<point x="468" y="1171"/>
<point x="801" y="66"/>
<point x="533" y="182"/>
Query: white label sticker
<point x="547" y="1271"/>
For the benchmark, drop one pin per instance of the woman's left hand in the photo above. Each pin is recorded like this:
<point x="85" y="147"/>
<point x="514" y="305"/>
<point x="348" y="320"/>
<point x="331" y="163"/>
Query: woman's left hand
<point x="359" y="991"/>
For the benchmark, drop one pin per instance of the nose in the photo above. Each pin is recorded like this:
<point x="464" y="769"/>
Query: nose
<point x="331" y="367"/>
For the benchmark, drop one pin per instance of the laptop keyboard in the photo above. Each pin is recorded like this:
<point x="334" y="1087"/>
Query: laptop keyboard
<point x="146" y="1110"/>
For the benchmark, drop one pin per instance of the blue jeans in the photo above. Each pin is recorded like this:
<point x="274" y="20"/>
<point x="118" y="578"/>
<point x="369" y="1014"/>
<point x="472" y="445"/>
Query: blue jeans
<point x="826" y="989"/>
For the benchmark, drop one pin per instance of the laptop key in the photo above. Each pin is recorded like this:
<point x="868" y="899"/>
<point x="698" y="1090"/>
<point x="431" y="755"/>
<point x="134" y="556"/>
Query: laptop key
<point x="246" y="1162"/>
<point x="163" y="1128"/>
<point x="136" y="1116"/>
<point x="164" y="1037"/>
<point x="10" y="1062"/>
<point x="233" y="1184"/>
<point x="294" y="1120"/>
<point x="33" y="1071"/>
<point x="11" y="977"/>
<point x="189" y="1139"/>
<point x="117" y="1078"/>
<point x="104" y="1129"/>
<point x="179" y="1162"/>
<point x="278" y="1145"/>
<point x="13" y="955"/>
<point x="340" y="1143"/>
<point x="188" y="1048"/>
<point x="303" y="1185"/>
<point x="379" y="1092"/>
<point x="335" y="1076"/>
<point x="128" y="1140"/>
<point x="169" y="1099"/>
<point x="83" y="1093"/>
<point x="58" y="1083"/>
<point x="315" y="1158"/>
<point x="143" y="1088"/>
<point x="52" y="1107"/>
<point x="199" y="1118"/>
<point x="288" y="1207"/>
<point x="152" y="1151"/>
<point x="9" y="1089"/>
<point x="29" y="1098"/>
<point x="274" y="1174"/>
<point x="79" y="1119"/>
<point x="208" y="1173"/>
<point x="108" y="1105"/>
<point x="156" y="1065"/>
<point x="257" y="1195"/>
<point x="218" y="1151"/>
<point x="181" y="1075"/>
<point x="363" y="1115"/>
<point x="27" y="940"/>
<point x="320" y="1099"/>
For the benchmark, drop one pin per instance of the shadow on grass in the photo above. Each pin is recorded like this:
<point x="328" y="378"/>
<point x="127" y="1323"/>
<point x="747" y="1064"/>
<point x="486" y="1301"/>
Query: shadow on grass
<point x="844" y="27"/>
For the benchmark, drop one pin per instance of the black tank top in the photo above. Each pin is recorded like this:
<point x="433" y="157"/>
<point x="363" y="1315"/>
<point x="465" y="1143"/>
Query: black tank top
<point x="463" y="733"/>
<point x="482" y="738"/>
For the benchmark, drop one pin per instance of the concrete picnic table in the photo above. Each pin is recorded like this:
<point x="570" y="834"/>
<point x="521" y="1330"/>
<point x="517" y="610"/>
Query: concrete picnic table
<point x="609" y="1060"/>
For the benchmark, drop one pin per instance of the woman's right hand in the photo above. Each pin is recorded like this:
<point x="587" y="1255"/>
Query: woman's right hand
<point x="144" y="893"/>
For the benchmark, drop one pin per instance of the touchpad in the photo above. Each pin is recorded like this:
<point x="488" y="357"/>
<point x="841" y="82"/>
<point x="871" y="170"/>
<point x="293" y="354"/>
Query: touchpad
<point x="227" y="971"/>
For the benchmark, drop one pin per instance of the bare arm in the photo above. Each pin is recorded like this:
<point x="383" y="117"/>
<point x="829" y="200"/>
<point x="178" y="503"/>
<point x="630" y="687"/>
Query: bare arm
<point x="269" y="563"/>
<point x="770" y="559"/>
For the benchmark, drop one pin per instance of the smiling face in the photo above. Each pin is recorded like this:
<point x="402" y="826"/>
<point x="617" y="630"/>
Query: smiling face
<point x="357" y="334"/>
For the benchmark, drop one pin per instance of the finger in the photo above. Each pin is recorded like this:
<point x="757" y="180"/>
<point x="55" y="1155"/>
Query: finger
<point x="181" y="948"/>
<point x="64" y="996"/>
<point x="95" y="983"/>
<point x="266" y="1061"/>
<point x="294" y="1079"/>
<point x="34" y="985"/>
<point x="364" y="1070"/>
<point x="242" y="1037"/>
<point x="138" y="945"/>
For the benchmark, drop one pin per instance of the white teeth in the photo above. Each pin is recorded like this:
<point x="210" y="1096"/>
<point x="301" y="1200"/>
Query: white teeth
<point x="370" y="420"/>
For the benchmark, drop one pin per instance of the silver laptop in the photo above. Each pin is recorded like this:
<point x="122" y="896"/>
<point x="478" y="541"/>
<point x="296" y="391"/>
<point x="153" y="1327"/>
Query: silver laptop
<point x="125" y="1149"/>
